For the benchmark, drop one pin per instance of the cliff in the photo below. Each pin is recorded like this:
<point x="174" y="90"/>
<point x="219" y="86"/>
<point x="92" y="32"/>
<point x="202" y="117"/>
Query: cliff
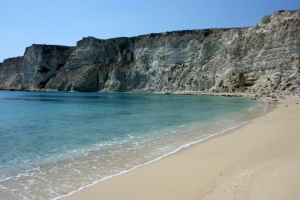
<point x="263" y="59"/>
<point x="10" y="71"/>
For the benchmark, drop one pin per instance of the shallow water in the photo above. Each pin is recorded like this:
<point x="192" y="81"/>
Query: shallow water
<point x="56" y="143"/>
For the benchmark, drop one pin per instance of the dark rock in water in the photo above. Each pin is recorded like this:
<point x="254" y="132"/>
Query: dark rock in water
<point x="263" y="59"/>
<point x="124" y="113"/>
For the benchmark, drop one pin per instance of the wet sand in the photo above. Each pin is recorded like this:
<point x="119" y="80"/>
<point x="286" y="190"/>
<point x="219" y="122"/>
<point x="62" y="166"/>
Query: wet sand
<point x="259" y="160"/>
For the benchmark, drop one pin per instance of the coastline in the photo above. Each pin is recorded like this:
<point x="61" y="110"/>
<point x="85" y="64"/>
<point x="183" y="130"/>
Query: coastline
<point x="258" y="160"/>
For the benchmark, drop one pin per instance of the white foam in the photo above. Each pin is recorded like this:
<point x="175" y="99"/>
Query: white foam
<point x="3" y="188"/>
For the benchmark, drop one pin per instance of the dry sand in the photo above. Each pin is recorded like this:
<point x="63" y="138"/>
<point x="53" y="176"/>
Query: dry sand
<point x="260" y="160"/>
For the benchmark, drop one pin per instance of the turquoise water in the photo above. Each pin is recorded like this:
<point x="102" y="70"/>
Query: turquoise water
<point x="55" y="143"/>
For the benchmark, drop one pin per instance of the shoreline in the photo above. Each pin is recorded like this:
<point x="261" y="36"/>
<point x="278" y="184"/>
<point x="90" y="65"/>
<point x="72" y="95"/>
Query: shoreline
<point x="88" y="178"/>
<point x="143" y="182"/>
<point x="252" y="96"/>
<point x="267" y="108"/>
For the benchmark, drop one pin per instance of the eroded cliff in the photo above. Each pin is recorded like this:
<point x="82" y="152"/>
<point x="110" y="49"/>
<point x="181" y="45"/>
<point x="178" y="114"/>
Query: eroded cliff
<point x="263" y="59"/>
<point x="10" y="72"/>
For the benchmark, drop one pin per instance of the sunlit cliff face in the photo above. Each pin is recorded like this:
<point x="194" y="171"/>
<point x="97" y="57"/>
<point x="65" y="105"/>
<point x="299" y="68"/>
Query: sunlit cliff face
<point x="263" y="59"/>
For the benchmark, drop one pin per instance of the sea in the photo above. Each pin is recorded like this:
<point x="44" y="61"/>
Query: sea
<point x="53" y="144"/>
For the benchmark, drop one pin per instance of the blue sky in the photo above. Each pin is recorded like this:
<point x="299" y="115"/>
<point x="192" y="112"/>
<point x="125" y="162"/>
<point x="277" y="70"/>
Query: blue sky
<point x="64" y="22"/>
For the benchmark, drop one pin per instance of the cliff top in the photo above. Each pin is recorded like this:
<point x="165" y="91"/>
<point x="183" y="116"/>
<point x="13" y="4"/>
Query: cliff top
<point x="179" y="33"/>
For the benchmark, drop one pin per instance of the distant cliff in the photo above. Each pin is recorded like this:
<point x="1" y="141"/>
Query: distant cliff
<point x="263" y="59"/>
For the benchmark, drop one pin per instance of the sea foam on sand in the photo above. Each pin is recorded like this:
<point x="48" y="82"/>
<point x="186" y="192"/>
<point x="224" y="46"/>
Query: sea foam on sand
<point x="259" y="160"/>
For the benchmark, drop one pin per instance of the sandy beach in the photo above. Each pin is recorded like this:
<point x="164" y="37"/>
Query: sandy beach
<point x="259" y="160"/>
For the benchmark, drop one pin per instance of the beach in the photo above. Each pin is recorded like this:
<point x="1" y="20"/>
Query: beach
<point x="258" y="160"/>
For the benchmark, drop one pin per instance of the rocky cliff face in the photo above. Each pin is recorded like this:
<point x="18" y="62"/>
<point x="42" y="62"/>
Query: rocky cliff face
<point x="41" y="63"/>
<point x="10" y="71"/>
<point x="263" y="59"/>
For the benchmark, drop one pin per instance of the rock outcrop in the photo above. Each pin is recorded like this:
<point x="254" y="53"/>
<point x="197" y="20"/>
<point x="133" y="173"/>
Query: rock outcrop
<point x="10" y="72"/>
<point x="41" y="63"/>
<point x="263" y="59"/>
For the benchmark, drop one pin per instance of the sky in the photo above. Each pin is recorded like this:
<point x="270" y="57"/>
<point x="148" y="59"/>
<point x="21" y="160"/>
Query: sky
<point x="64" y="22"/>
